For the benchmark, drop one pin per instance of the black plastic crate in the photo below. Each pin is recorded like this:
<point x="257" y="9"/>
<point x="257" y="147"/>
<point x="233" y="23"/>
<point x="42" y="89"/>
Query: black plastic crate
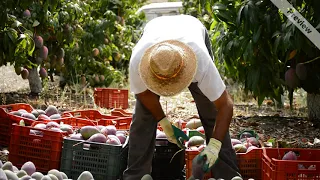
<point x="162" y="168"/>
<point x="105" y="162"/>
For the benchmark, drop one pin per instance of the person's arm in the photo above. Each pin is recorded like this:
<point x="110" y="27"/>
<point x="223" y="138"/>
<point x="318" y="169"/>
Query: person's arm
<point x="224" y="105"/>
<point x="151" y="101"/>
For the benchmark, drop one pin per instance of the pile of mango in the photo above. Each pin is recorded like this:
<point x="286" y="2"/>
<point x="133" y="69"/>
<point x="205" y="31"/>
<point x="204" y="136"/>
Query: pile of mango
<point x="28" y="171"/>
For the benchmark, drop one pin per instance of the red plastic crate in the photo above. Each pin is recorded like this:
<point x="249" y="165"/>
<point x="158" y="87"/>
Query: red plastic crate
<point x="43" y="149"/>
<point x="5" y="128"/>
<point x="190" y="154"/>
<point x="273" y="168"/>
<point x="17" y="106"/>
<point x="76" y="123"/>
<point x="120" y="112"/>
<point x="91" y="114"/>
<point x="123" y="113"/>
<point x="250" y="164"/>
<point x="120" y="122"/>
<point x="6" y="120"/>
<point x="101" y="119"/>
<point x="111" y="98"/>
<point x="123" y="122"/>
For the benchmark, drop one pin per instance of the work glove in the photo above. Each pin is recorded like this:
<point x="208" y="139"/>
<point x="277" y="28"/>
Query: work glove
<point x="174" y="134"/>
<point x="210" y="154"/>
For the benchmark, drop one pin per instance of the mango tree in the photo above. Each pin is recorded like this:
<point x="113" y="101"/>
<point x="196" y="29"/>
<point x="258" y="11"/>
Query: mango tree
<point x="260" y="47"/>
<point x="81" y="41"/>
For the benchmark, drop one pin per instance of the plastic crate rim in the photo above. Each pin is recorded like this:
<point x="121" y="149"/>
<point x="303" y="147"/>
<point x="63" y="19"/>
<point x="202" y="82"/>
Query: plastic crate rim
<point x="87" y="142"/>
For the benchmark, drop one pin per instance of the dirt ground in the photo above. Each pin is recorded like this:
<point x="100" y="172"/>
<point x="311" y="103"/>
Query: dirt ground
<point x="289" y="128"/>
<point x="10" y="81"/>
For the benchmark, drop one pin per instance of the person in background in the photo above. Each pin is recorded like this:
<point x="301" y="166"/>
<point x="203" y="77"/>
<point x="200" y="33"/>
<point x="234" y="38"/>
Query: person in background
<point x="174" y="53"/>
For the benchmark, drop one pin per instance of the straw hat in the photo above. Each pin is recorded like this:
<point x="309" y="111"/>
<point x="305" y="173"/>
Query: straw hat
<point x="168" y="67"/>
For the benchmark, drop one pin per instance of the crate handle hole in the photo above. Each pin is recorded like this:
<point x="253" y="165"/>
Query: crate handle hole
<point x="94" y="147"/>
<point x="86" y="146"/>
<point x="296" y="152"/>
<point x="36" y="133"/>
<point x="312" y="167"/>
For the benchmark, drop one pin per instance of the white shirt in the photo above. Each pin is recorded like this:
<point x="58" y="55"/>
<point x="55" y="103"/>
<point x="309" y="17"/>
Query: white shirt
<point x="189" y="30"/>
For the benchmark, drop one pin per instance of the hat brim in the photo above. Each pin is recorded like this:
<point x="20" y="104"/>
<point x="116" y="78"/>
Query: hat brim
<point x="172" y="86"/>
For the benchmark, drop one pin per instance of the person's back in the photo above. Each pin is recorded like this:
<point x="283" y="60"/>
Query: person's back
<point x="184" y="28"/>
<point x="174" y="27"/>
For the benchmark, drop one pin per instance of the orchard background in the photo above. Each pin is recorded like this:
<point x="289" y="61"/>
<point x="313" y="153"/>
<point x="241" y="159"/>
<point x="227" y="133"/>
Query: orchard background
<point x="57" y="52"/>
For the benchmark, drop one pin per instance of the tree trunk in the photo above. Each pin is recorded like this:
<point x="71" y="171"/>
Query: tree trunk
<point x="313" y="103"/>
<point x="34" y="81"/>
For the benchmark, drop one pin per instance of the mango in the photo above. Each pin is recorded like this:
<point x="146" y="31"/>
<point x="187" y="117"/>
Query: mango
<point x="146" y="177"/>
<point x="29" y="167"/>
<point x="98" y="137"/>
<point x="85" y="175"/>
<point x="21" y="173"/>
<point x="7" y="166"/>
<point x="29" y="116"/>
<point x="88" y="131"/>
<point x="193" y="123"/>
<point x="51" y="110"/>
<point x="3" y="175"/>
<point x="195" y="141"/>
<point x="290" y="156"/>
<point x="37" y="175"/>
<point x="55" y="173"/>
<point x="11" y="175"/>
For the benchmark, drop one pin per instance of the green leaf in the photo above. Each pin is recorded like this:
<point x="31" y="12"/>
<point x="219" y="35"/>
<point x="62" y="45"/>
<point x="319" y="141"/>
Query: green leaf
<point x="225" y="16"/>
<point x="239" y="15"/>
<point x="213" y="25"/>
<point x="22" y="36"/>
<point x="13" y="34"/>
<point x="256" y="77"/>
<point x="248" y="52"/>
<point x="275" y="34"/>
<point x="286" y="40"/>
<point x="208" y="8"/>
<point x="16" y="24"/>
<point x="214" y="16"/>
<point x="252" y="78"/>
<point x="246" y="13"/>
<point x="229" y="45"/>
<point x="219" y="6"/>
<point x="267" y="20"/>
<point x="289" y="23"/>
<point x="272" y="141"/>
<point x="31" y="46"/>
<point x="257" y="34"/>
<point x="276" y="44"/>
<point x="21" y="46"/>
<point x="35" y="23"/>
<point x="236" y="42"/>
